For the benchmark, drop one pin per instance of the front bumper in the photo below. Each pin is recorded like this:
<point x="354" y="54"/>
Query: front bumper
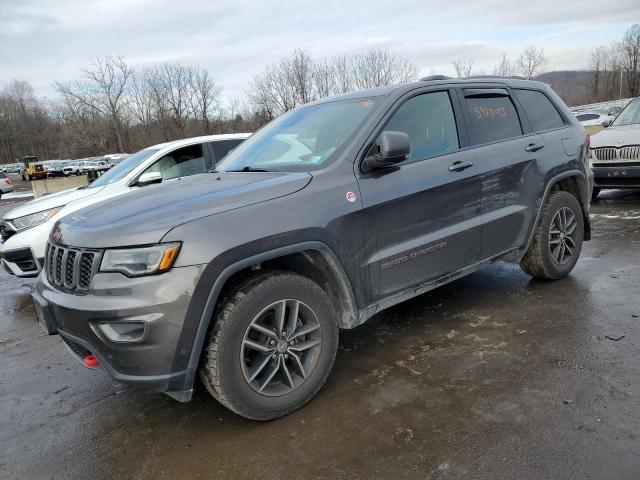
<point x="159" y="302"/>
<point x="22" y="253"/>
<point x="619" y="175"/>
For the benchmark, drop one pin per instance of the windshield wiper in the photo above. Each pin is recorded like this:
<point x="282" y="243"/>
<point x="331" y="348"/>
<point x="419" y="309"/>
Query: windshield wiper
<point x="251" y="169"/>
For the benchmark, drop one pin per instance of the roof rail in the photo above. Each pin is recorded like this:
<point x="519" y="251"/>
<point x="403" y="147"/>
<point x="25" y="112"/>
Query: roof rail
<point x="432" y="78"/>
<point x="510" y="77"/>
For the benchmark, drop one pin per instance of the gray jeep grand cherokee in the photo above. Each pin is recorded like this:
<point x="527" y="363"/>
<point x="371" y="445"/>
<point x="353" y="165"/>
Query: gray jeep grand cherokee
<point x="329" y="214"/>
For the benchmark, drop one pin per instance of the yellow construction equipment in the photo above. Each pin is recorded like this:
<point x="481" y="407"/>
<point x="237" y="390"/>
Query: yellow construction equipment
<point x="33" y="170"/>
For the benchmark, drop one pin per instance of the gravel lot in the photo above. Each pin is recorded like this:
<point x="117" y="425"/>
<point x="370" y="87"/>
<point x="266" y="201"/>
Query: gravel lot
<point x="494" y="376"/>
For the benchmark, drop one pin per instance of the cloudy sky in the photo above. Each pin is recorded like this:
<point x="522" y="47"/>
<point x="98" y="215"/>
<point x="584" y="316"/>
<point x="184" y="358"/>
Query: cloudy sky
<point x="46" y="40"/>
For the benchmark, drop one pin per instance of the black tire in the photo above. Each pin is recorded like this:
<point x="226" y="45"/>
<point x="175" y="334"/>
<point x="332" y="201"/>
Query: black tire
<point x="225" y="365"/>
<point x="541" y="259"/>
<point x="594" y="194"/>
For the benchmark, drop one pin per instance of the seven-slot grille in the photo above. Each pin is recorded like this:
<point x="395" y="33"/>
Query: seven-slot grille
<point x="71" y="268"/>
<point x="613" y="153"/>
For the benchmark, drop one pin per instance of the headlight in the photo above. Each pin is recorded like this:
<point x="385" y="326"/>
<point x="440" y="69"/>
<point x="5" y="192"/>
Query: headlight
<point x="34" y="219"/>
<point x="135" y="262"/>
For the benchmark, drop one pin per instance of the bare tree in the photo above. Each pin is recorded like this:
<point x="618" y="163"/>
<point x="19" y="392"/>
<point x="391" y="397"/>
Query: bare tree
<point x="506" y="67"/>
<point x="298" y="78"/>
<point x="530" y="61"/>
<point x="463" y="67"/>
<point x="102" y="89"/>
<point x="205" y="97"/>
<point x="630" y="46"/>
<point x="599" y="64"/>
<point x="380" y="67"/>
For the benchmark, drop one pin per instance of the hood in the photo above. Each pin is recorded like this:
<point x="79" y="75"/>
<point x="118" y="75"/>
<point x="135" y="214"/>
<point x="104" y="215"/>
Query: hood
<point x="617" y="136"/>
<point x="51" y="201"/>
<point x="147" y="214"/>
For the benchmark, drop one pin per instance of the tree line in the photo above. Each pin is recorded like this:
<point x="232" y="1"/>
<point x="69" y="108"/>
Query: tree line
<point x="113" y="107"/>
<point x="615" y="68"/>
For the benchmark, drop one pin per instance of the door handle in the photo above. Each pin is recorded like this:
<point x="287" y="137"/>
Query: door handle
<point x="459" y="166"/>
<point x="534" y="147"/>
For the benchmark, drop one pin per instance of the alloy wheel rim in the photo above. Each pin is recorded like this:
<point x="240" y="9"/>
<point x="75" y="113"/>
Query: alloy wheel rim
<point x="280" y="348"/>
<point x="562" y="236"/>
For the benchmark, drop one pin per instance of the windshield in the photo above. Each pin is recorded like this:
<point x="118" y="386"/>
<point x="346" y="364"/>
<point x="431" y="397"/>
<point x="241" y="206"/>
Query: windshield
<point x="630" y="115"/>
<point x="122" y="169"/>
<point x="301" y="140"/>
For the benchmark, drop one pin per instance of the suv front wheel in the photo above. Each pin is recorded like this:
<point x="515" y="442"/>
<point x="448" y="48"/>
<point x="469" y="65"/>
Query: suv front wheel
<point x="557" y="241"/>
<point x="272" y="346"/>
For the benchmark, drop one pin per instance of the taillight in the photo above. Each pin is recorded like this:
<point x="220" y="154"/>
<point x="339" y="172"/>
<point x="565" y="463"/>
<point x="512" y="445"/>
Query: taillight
<point x="7" y="181"/>
<point x="587" y="140"/>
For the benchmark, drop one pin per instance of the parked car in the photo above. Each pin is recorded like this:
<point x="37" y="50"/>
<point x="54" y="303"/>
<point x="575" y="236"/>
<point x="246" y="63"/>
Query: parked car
<point x="616" y="151"/>
<point x="246" y="274"/>
<point x="6" y="185"/>
<point x="72" y="168"/>
<point x="90" y="167"/>
<point x="56" y="169"/>
<point x="592" y="119"/>
<point x="25" y="229"/>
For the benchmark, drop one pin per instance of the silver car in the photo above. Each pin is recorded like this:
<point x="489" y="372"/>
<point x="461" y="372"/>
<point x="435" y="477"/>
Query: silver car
<point x="6" y="185"/>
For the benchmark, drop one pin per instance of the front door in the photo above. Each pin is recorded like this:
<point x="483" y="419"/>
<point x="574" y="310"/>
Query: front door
<point x="420" y="217"/>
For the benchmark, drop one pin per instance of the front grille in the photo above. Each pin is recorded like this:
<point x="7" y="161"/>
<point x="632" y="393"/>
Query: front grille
<point x="630" y="153"/>
<point x="71" y="268"/>
<point x="613" y="153"/>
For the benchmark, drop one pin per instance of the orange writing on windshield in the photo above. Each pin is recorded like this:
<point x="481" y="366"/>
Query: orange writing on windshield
<point x="488" y="112"/>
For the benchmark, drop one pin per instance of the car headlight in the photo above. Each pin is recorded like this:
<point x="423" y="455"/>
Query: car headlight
<point x="28" y="221"/>
<point x="135" y="262"/>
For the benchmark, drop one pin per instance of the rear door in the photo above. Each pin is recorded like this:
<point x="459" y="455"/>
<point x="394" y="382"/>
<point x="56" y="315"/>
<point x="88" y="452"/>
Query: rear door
<point x="506" y="155"/>
<point x="420" y="217"/>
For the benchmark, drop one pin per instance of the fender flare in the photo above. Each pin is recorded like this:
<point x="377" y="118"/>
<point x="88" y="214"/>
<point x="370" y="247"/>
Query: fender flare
<point x="214" y="292"/>
<point x="550" y="184"/>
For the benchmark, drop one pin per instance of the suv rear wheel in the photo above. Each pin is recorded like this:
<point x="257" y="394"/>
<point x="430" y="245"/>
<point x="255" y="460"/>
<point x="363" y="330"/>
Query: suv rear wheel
<point x="272" y="347"/>
<point x="557" y="241"/>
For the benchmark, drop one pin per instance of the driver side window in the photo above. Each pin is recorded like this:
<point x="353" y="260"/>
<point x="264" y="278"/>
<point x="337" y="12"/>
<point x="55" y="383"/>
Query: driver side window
<point x="429" y="122"/>
<point x="182" y="162"/>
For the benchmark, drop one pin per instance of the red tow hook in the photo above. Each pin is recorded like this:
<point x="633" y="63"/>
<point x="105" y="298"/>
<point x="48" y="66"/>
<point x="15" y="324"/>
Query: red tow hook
<point x="91" y="361"/>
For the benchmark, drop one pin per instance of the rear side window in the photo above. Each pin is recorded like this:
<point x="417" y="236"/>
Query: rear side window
<point x="222" y="147"/>
<point x="492" y="118"/>
<point x="429" y="121"/>
<point x="540" y="111"/>
<point x="587" y="116"/>
<point x="2" y="175"/>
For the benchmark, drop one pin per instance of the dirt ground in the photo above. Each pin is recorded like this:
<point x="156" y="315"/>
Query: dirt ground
<point x="495" y="376"/>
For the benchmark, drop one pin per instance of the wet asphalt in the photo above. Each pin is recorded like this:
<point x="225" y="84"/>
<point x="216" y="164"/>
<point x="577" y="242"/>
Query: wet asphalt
<point x="495" y="376"/>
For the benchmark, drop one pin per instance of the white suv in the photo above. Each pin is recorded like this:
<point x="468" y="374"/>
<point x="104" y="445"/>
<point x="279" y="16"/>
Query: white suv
<point x="24" y="231"/>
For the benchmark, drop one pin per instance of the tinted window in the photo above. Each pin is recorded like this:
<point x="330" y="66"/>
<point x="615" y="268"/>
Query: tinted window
<point x="222" y="147"/>
<point x="2" y="175"/>
<point x="586" y="116"/>
<point x="428" y="120"/>
<point x="182" y="162"/>
<point x="492" y="118"/>
<point x="539" y="109"/>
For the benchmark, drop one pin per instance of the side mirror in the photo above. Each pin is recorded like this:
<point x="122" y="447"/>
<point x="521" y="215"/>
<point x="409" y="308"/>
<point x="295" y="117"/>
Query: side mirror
<point x="394" y="148"/>
<point x="607" y="123"/>
<point x="148" y="178"/>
